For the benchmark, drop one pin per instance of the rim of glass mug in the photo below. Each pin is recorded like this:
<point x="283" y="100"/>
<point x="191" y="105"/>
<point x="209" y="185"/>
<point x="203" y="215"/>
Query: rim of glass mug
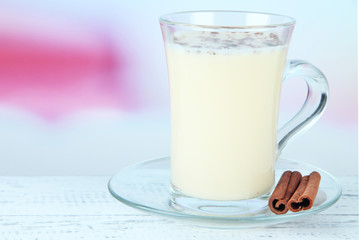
<point x="274" y="20"/>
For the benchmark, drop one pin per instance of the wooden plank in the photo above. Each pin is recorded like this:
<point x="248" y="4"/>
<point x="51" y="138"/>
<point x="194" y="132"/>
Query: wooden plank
<point x="150" y="227"/>
<point x="81" y="208"/>
<point x="89" y="195"/>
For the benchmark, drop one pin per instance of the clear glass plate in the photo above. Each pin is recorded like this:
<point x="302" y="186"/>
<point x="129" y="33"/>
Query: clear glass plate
<point x="146" y="186"/>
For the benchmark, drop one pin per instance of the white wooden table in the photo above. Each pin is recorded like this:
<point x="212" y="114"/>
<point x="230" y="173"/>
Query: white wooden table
<point x="81" y="207"/>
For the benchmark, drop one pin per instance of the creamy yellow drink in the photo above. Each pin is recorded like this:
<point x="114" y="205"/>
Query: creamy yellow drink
<point x="225" y="90"/>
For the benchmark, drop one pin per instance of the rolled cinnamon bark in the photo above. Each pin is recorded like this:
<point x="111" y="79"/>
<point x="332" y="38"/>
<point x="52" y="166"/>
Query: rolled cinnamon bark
<point x="304" y="196"/>
<point x="310" y="193"/>
<point x="284" y="190"/>
<point x="294" y="204"/>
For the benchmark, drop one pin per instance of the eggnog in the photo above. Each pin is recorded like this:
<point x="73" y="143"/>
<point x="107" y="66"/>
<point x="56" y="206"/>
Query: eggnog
<point x="225" y="90"/>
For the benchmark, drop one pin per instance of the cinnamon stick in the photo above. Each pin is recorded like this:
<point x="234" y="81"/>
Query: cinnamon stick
<point x="284" y="190"/>
<point x="304" y="196"/>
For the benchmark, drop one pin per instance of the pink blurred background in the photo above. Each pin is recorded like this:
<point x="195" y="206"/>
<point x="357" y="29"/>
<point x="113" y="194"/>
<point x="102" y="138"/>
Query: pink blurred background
<point x="83" y="84"/>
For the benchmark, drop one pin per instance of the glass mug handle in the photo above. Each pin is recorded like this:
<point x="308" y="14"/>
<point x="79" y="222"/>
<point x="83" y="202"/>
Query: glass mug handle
<point x="313" y="106"/>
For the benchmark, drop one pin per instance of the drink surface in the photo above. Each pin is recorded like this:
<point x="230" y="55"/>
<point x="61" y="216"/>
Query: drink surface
<point x="225" y="42"/>
<point x="225" y="90"/>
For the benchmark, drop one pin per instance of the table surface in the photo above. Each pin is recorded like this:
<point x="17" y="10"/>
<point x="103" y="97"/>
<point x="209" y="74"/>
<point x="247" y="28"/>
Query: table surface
<point x="81" y="207"/>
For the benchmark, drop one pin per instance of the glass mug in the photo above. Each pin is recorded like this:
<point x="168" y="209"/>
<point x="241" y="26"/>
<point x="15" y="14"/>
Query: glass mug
<point x="225" y="71"/>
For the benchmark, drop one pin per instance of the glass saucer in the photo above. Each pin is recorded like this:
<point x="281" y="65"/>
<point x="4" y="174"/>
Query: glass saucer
<point x="146" y="186"/>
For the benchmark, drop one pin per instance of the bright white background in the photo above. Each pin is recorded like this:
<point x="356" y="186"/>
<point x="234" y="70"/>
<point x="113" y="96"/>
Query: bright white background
<point x="102" y="140"/>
